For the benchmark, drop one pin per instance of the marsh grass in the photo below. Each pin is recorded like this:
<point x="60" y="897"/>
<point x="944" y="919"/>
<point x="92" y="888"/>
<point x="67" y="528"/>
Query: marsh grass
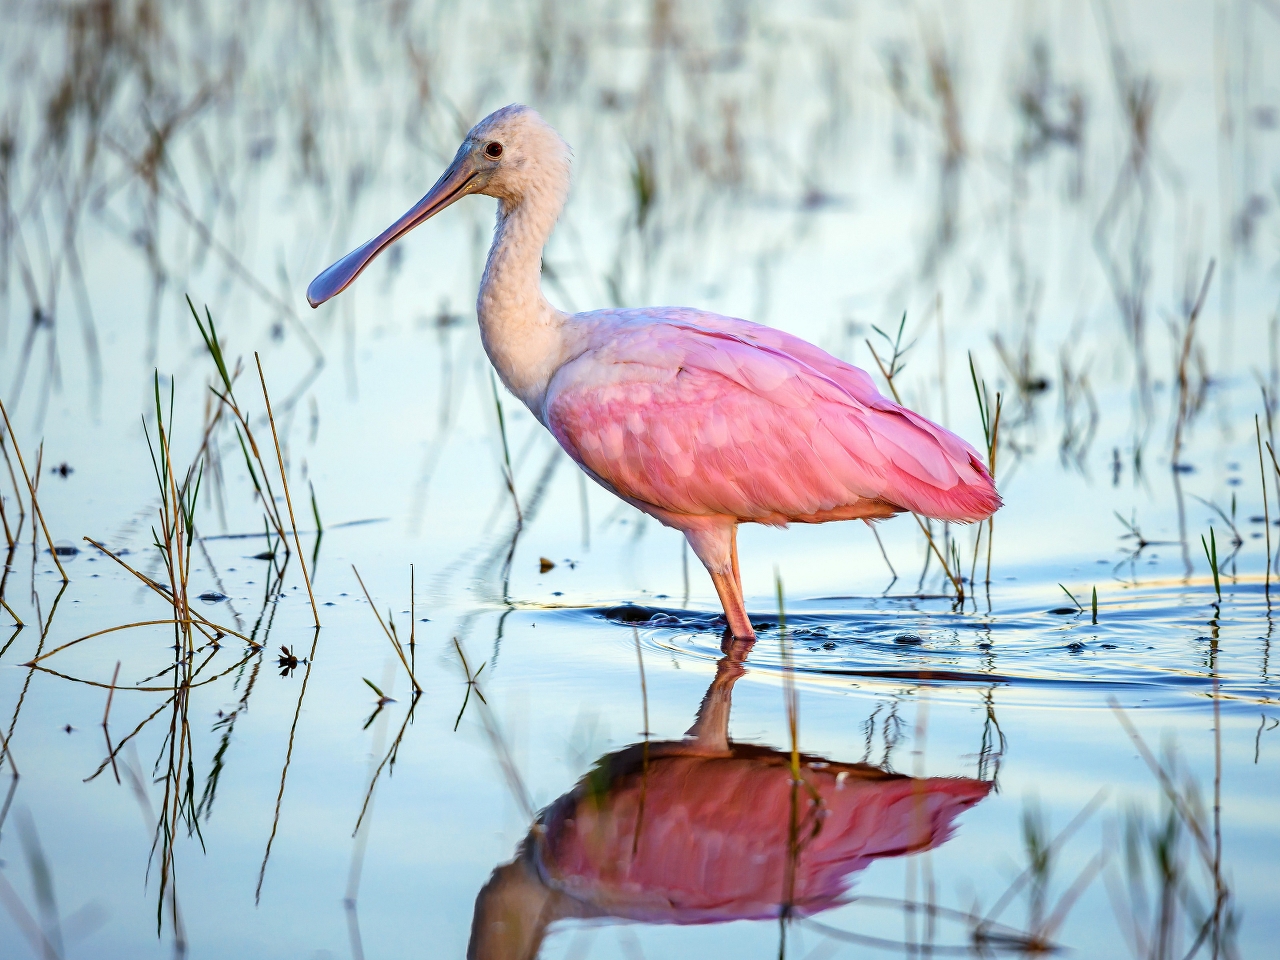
<point x="1266" y="507"/>
<point x="389" y="759"/>
<point x="31" y="490"/>
<point x="473" y="682"/>
<point x="803" y="823"/>
<point x="991" y="437"/>
<point x="1190" y="397"/>
<point x="284" y="482"/>
<point x="173" y="536"/>
<point x="1211" y="554"/>
<point x="259" y="475"/>
<point x="498" y="744"/>
<point x="1041" y="851"/>
<point x="645" y="733"/>
<point x="389" y="631"/>
<point x="1173" y="892"/>
<point x="284" y="771"/>
<point x="1073" y="599"/>
<point x="507" y="472"/>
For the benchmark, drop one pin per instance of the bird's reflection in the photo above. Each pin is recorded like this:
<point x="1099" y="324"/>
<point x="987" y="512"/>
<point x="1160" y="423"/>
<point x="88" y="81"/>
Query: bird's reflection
<point x="705" y="830"/>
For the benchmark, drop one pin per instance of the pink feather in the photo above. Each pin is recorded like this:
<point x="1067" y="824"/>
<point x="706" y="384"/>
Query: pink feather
<point x="701" y="415"/>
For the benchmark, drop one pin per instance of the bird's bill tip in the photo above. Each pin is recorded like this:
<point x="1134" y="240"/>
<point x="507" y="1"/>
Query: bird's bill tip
<point x="457" y="181"/>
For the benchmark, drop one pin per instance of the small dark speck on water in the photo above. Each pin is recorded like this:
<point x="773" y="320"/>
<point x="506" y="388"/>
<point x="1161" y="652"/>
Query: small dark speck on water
<point x="829" y="645"/>
<point x="213" y="596"/>
<point x="425" y="620"/>
<point x="65" y="550"/>
<point x="68" y="728"/>
<point x="1075" y="646"/>
<point x="1108" y="646"/>
<point x="984" y="646"/>
<point x="1233" y="481"/>
<point x="63" y="470"/>
<point x="1063" y="611"/>
<point x="265" y="555"/>
<point x="558" y="593"/>
<point x="545" y="565"/>
<point x="329" y="603"/>
<point x="908" y="639"/>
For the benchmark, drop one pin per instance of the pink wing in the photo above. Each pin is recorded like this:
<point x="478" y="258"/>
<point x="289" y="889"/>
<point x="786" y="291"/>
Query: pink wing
<point x="701" y="839"/>
<point x="698" y="414"/>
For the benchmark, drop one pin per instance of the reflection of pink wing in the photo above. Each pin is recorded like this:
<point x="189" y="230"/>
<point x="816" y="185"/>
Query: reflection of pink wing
<point x="704" y="415"/>
<point x="713" y="836"/>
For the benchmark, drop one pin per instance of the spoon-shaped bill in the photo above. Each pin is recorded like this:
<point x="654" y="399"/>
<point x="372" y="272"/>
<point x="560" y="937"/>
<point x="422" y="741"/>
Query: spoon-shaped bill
<point x="455" y="182"/>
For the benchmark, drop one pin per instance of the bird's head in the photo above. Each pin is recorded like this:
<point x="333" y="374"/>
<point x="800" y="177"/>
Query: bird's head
<point x="512" y="154"/>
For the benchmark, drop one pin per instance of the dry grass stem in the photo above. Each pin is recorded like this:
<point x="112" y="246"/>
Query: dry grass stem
<point x="390" y="636"/>
<point x="1266" y="509"/>
<point x="315" y="611"/>
<point x="199" y="620"/>
<point x="16" y="619"/>
<point x="31" y="489"/>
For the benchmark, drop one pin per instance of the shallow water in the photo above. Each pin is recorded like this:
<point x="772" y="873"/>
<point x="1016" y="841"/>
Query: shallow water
<point x="802" y="174"/>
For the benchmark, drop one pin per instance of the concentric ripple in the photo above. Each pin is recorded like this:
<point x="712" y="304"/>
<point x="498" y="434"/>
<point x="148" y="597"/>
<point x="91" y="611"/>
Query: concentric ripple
<point x="1168" y="638"/>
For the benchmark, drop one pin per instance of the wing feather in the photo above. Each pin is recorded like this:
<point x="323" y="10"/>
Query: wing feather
<point x="699" y="414"/>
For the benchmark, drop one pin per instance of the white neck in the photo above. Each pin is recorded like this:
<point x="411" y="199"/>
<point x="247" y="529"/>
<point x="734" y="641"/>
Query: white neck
<point x="523" y="334"/>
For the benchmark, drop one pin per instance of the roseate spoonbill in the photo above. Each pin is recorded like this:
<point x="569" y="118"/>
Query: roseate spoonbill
<point x="699" y="831"/>
<point x="698" y="420"/>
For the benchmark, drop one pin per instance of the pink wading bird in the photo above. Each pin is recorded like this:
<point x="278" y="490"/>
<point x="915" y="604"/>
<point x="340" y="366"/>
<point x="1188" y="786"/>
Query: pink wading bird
<point x="648" y="836"/>
<point x="698" y="420"/>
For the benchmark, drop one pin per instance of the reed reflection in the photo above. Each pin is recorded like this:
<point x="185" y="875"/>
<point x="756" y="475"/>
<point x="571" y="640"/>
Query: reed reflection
<point x="706" y="830"/>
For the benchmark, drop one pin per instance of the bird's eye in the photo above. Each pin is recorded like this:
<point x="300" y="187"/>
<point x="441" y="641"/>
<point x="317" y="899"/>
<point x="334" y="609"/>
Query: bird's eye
<point x="493" y="150"/>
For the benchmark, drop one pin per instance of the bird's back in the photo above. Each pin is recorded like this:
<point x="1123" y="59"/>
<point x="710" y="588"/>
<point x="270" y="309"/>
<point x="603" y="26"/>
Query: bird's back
<point x="700" y="414"/>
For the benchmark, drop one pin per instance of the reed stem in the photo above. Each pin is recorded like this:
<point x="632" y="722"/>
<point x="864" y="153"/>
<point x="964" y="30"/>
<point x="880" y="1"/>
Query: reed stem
<point x="302" y="561"/>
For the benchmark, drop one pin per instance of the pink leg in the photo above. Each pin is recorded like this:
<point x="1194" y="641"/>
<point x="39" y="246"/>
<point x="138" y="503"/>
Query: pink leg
<point x="710" y="732"/>
<point x="735" y="610"/>
<point x="712" y="541"/>
<point x="733" y="556"/>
